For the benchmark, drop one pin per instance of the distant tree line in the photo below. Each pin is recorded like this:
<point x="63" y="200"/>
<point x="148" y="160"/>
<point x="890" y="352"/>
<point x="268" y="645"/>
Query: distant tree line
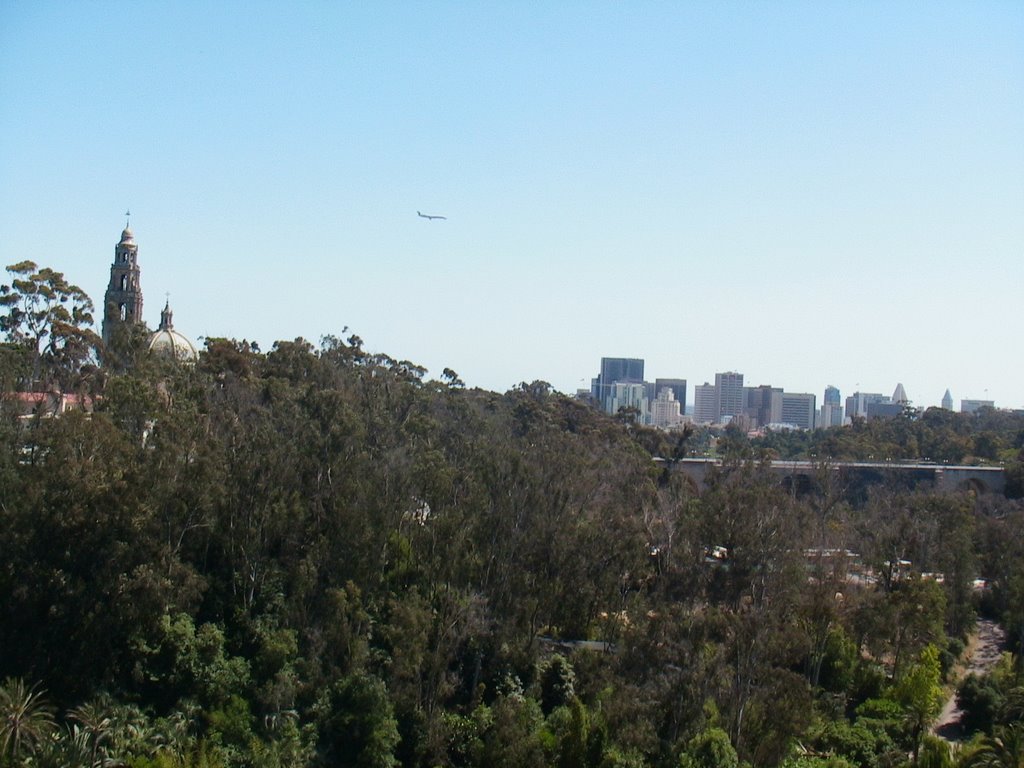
<point x="935" y="434"/>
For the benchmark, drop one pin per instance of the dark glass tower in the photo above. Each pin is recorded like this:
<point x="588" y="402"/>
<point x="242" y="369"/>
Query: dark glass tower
<point x="832" y="396"/>
<point x="617" y="369"/>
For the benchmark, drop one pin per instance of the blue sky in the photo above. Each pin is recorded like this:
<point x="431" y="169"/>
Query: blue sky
<point x="809" y="193"/>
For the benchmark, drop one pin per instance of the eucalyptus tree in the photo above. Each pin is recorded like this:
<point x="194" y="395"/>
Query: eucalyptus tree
<point x="52" y="320"/>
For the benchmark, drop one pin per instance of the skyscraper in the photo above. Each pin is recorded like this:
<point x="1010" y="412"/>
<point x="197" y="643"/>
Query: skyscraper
<point x="764" y="405"/>
<point x="832" y="396"/>
<point x="678" y="387"/>
<point x="665" y="410"/>
<point x="705" y="404"/>
<point x="831" y="408"/>
<point x="730" y="394"/>
<point x="629" y="396"/>
<point x="798" y="409"/>
<point x="614" y="370"/>
<point x="947" y="401"/>
<point x="857" y="403"/>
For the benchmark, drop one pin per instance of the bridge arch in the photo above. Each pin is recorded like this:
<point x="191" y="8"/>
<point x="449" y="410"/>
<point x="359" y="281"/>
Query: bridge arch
<point x="973" y="485"/>
<point x="798" y="483"/>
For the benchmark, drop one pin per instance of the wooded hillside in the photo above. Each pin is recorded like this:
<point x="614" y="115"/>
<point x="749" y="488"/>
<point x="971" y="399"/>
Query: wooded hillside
<point x="315" y="556"/>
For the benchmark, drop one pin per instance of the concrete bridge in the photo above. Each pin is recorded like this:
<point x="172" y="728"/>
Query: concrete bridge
<point x="802" y="475"/>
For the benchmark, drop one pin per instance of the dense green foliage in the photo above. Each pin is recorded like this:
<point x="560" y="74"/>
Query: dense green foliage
<point x="45" y="323"/>
<point x="935" y="435"/>
<point x="314" y="557"/>
<point x="992" y="701"/>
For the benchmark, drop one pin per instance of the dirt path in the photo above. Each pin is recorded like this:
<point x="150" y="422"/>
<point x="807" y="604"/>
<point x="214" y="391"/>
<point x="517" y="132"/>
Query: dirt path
<point x="984" y="650"/>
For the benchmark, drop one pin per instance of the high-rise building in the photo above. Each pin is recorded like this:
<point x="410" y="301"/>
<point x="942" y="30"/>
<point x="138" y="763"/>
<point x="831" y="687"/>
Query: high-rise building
<point x="122" y="302"/>
<point x="626" y="395"/>
<point x="628" y="370"/>
<point x="831" y="408"/>
<point x="798" y="409"/>
<point x="678" y="387"/>
<point x="665" y="410"/>
<point x="831" y="415"/>
<point x="947" y="401"/>
<point x="705" y="404"/>
<point x="763" y="405"/>
<point x="857" y="403"/>
<point x="899" y="396"/>
<point x="832" y="396"/>
<point x="887" y="410"/>
<point x="730" y="394"/>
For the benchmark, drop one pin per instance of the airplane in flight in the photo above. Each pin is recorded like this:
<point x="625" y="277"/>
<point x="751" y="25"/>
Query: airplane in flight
<point x="429" y="217"/>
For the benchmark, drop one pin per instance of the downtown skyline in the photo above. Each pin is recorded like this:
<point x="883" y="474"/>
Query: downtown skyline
<point x="624" y="383"/>
<point x="884" y="388"/>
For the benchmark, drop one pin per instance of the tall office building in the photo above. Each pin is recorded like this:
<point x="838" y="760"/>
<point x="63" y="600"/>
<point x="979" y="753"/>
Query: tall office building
<point x="665" y="410"/>
<point x="628" y="395"/>
<point x="889" y="410"/>
<point x="798" y="409"/>
<point x="831" y="415"/>
<point x="678" y="387"/>
<point x="831" y="409"/>
<point x="705" y="404"/>
<point x="627" y="370"/>
<point x="947" y="401"/>
<point x="764" y="405"/>
<point x="730" y="394"/>
<point x="832" y="396"/>
<point x="857" y="403"/>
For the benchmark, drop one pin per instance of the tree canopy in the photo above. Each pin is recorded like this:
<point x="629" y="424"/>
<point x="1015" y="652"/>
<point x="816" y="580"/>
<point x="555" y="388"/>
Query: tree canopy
<point x="316" y="555"/>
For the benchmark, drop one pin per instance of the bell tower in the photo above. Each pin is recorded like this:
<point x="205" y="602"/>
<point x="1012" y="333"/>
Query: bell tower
<point x="122" y="303"/>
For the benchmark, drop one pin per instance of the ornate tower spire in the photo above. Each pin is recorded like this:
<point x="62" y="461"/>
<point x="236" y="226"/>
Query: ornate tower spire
<point x="122" y="302"/>
<point x="165" y="317"/>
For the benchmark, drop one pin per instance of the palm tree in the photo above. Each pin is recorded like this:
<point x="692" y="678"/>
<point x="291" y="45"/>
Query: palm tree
<point x="67" y="747"/>
<point x="25" y="718"/>
<point x="1003" y="749"/>
<point x="96" y="724"/>
<point x="130" y="734"/>
<point x="1013" y="707"/>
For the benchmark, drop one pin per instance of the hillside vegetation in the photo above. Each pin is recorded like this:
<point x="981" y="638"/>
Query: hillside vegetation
<point x="315" y="556"/>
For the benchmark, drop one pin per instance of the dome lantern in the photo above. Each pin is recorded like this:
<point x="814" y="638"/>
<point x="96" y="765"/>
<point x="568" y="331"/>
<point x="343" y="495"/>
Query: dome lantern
<point x="168" y="342"/>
